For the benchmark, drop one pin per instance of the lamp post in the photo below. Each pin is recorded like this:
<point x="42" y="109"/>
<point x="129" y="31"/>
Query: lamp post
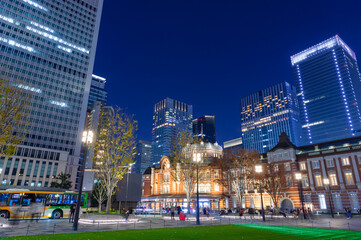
<point x="126" y="192"/>
<point x="197" y="159"/>
<point x="326" y="181"/>
<point x="300" y="190"/>
<point x="259" y="170"/>
<point x="86" y="140"/>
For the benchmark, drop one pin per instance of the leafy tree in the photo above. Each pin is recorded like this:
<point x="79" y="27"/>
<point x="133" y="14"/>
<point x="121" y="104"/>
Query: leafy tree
<point x="65" y="183"/>
<point x="274" y="182"/>
<point x="14" y="115"/>
<point x="236" y="167"/>
<point x="114" y="148"/>
<point x="99" y="193"/>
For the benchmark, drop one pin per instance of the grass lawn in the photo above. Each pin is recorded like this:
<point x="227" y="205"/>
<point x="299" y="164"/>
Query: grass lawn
<point x="249" y="231"/>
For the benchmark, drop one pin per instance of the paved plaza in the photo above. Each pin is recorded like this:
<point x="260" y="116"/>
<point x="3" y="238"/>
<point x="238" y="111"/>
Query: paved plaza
<point x="95" y="223"/>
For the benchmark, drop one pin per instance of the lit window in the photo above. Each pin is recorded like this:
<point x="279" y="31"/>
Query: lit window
<point x="345" y="161"/>
<point x="216" y="187"/>
<point x="349" y="178"/>
<point x="302" y="166"/>
<point x="318" y="180"/>
<point x="333" y="179"/>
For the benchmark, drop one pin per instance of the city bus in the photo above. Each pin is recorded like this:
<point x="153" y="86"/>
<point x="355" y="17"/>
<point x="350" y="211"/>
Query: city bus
<point x="27" y="204"/>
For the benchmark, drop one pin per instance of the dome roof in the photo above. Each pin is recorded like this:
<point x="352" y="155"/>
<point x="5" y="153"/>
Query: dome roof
<point x="206" y="145"/>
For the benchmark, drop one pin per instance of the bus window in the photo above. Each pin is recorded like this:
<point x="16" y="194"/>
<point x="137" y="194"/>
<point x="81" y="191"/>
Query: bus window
<point x="55" y="199"/>
<point x="67" y="199"/>
<point x="28" y="199"/>
<point x="4" y="197"/>
<point x="15" y="199"/>
<point x="40" y="198"/>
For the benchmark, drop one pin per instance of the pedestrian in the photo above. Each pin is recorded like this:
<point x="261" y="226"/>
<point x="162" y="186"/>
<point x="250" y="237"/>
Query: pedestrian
<point x="72" y="212"/>
<point x="172" y="213"/>
<point x="126" y="215"/>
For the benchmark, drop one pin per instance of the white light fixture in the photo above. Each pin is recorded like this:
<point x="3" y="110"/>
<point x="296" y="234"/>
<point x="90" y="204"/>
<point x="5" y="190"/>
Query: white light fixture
<point x="258" y="168"/>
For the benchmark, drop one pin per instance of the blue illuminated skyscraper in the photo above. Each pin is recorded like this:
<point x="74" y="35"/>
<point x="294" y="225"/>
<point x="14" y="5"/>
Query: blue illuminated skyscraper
<point x="170" y="117"/>
<point x="268" y="113"/>
<point x="329" y="91"/>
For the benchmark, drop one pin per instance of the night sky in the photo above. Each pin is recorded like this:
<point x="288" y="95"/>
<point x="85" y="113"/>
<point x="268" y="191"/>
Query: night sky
<point x="210" y="53"/>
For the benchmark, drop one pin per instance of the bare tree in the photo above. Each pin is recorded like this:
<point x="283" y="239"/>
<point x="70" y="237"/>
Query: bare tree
<point x="236" y="167"/>
<point x="274" y="183"/>
<point x="114" y="148"/>
<point x="14" y="115"/>
<point x="99" y="193"/>
<point x="183" y="163"/>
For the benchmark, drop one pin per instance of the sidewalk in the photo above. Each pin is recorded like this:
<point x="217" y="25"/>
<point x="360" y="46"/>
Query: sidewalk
<point x="49" y="226"/>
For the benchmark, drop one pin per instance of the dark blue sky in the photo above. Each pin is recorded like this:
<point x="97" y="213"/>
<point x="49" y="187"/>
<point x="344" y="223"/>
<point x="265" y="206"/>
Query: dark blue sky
<point x="210" y="53"/>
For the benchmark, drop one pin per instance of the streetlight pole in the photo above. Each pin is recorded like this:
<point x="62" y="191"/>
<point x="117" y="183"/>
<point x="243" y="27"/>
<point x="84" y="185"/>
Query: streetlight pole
<point x="300" y="190"/>
<point x="86" y="139"/>
<point x="326" y="181"/>
<point x="197" y="159"/>
<point x="259" y="170"/>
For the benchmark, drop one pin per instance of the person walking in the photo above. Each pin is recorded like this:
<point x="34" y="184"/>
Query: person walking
<point x="72" y="213"/>
<point x="172" y="213"/>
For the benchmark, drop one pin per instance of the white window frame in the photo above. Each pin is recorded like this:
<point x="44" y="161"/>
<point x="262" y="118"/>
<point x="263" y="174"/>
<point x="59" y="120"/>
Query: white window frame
<point x="314" y="164"/>
<point x="345" y="161"/>
<point x="318" y="181"/>
<point x="302" y="166"/>
<point x="333" y="179"/>
<point x="352" y="182"/>
<point x="322" y="201"/>
<point x="328" y="161"/>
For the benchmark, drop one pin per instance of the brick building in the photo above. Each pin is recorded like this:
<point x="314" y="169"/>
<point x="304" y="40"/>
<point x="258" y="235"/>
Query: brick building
<point x="160" y="190"/>
<point x="339" y="161"/>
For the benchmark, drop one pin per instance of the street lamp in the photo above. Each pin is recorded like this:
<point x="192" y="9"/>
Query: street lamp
<point x="259" y="170"/>
<point x="197" y="159"/>
<point x="326" y="181"/>
<point x="300" y="190"/>
<point x="86" y="140"/>
<point x="126" y="192"/>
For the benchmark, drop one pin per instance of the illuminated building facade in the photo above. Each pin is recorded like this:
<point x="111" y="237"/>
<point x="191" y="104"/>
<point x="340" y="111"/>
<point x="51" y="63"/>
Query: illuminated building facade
<point x="267" y="113"/>
<point x="205" y="128"/>
<point x="97" y="93"/>
<point x="49" y="45"/>
<point x="329" y="91"/>
<point x="170" y="117"/>
<point x="160" y="190"/>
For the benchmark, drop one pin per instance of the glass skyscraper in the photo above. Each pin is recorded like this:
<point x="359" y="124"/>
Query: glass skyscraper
<point x="268" y="113"/>
<point x="49" y="45"/>
<point x="329" y="91"/>
<point x="97" y="93"/>
<point x="205" y="128"/>
<point x="142" y="157"/>
<point x="170" y="117"/>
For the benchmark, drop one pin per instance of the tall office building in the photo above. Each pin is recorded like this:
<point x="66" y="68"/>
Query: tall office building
<point x="170" y="117"/>
<point x="205" y="128"/>
<point x="329" y="91"/>
<point x="49" y="45"/>
<point x="97" y="93"/>
<point x="142" y="159"/>
<point x="268" y="113"/>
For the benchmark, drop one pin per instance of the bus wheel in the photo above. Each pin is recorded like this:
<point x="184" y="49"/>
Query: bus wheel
<point x="4" y="214"/>
<point x="56" y="214"/>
